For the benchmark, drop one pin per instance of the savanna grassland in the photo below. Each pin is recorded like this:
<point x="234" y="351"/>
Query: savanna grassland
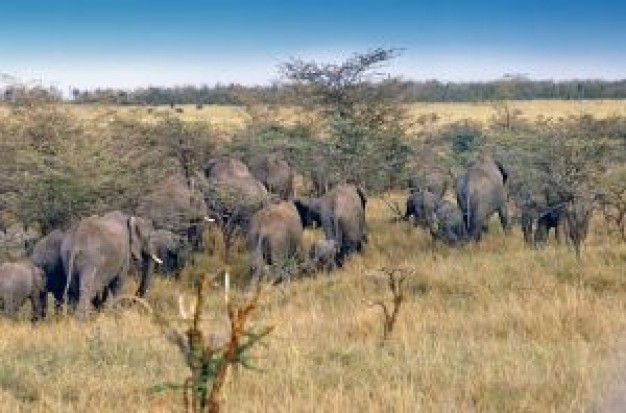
<point x="495" y="327"/>
<point x="228" y="118"/>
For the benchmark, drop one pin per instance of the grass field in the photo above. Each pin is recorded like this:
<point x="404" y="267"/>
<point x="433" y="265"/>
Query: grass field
<point x="496" y="327"/>
<point x="230" y="118"/>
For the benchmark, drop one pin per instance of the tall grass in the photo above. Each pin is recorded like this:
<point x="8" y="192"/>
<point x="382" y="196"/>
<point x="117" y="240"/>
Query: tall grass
<point x="228" y="118"/>
<point x="495" y="327"/>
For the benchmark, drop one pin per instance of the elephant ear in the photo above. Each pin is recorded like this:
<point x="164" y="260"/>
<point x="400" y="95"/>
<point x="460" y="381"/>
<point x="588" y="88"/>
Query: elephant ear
<point x="134" y="238"/>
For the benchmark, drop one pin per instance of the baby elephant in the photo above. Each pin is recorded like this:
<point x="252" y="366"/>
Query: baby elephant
<point x="323" y="255"/>
<point x="20" y="281"/>
<point x="448" y="225"/>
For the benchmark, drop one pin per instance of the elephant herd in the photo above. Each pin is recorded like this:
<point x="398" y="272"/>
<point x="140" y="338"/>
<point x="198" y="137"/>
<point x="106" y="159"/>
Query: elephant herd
<point x="86" y="265"/>
<point x="482" y="191"/>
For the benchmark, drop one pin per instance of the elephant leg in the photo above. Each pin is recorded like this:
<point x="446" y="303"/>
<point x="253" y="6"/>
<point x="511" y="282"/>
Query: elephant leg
<point x="39" y="305"/>
<point x="58" y="301"/>
<point x="86" y="292"/>
<point x="146" y="269"/>
<point x="559" y="233"/>
<point x="475" y="230"/>
<point x="9" y="306"/>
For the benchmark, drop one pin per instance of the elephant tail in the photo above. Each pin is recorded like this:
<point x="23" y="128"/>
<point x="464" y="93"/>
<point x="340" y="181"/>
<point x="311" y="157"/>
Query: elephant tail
<point x="258" y="258"/>
<point x="69" y="272"/>
<point x="467" y="213"/>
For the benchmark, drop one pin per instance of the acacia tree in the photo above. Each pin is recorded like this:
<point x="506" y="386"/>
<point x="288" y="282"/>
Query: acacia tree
<point x="365" y="129"/>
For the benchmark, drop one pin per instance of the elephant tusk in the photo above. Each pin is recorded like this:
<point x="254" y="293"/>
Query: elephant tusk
<point x="181" y="308"/>
<point x="207" y="219"/>
<point x="226" y="287"/>
<point x="156" y="259"/>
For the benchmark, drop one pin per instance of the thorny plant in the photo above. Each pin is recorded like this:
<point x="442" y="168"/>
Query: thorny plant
<point x="209" y="356"/>
<point x="395" y="282"/>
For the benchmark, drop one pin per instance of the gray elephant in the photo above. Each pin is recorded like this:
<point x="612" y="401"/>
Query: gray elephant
<point x="21" y="281"/>
<point x="170" y="248"/>
<point x="274" y="239"/>
<point x="480" y="193"/>
<point x="541" y="212"/>
<point x="231" y="190"/>
<point x="420" y="207"/>
<point x="47" y="256"/>
<point x="275" y="173"/>
<point x="232" y="195"/>
<point x="434" y="180"/>
<point x="341" y="214"/>
<point x="323" y="255"/>
<point x="447" y="224"/>
<point x="98" y="256"/>
<point x="176" y="207"/>
<point x="578" y="214"/>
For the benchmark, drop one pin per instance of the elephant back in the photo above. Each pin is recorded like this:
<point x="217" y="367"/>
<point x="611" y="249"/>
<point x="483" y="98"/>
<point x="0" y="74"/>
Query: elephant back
<point x="226" y="167"/>
<point x="47" y="251"/>
<point x="230" y="189"/>
<point x="274" y="172"/>
<point x="347" y="207"/>
<point x="20" y="276"/>
<point x="173" y="205"/>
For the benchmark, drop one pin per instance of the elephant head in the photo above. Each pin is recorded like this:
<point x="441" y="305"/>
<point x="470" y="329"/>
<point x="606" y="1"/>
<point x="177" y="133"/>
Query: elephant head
<point x="447" y="224"/>
<point x="142" y="250"/>
<point x="170" y="248"/>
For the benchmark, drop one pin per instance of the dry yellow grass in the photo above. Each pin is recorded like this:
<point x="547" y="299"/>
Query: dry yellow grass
<point x="231" y="118"/>
<point x="495" y="327"/>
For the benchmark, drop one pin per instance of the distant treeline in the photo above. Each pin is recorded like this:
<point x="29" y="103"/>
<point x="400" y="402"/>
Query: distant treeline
<point x="393" y="89"/>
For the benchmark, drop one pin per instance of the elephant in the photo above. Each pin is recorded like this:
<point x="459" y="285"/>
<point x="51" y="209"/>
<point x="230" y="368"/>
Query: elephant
<point x="231" y="190"/>
<point x="568" y="212"/>
<point x="542" y="211"/>
<point x="170" y="248"/>
<point x="447" y="224"/>
<point x="232" y="195"/>
<point x="274" y="238"/>
<point x="481" y="192"/>
<point x="578" y="214"/>
<point x="176" y="207"/>
<point x="224" y="167"/>
<point x="275" y="173"/>
<point x="323" y="255"/>
<point x="21" y="281"/>
<point x="341" y="214"/>
<point x="433" y="180"/>
<point x="420" y="206"/>
<point x="98" y="255"/>
<point x="46" y="255"/>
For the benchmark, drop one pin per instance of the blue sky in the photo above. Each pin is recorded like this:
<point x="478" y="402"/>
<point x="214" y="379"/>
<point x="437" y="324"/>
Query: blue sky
<point x="129" y="43"/>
